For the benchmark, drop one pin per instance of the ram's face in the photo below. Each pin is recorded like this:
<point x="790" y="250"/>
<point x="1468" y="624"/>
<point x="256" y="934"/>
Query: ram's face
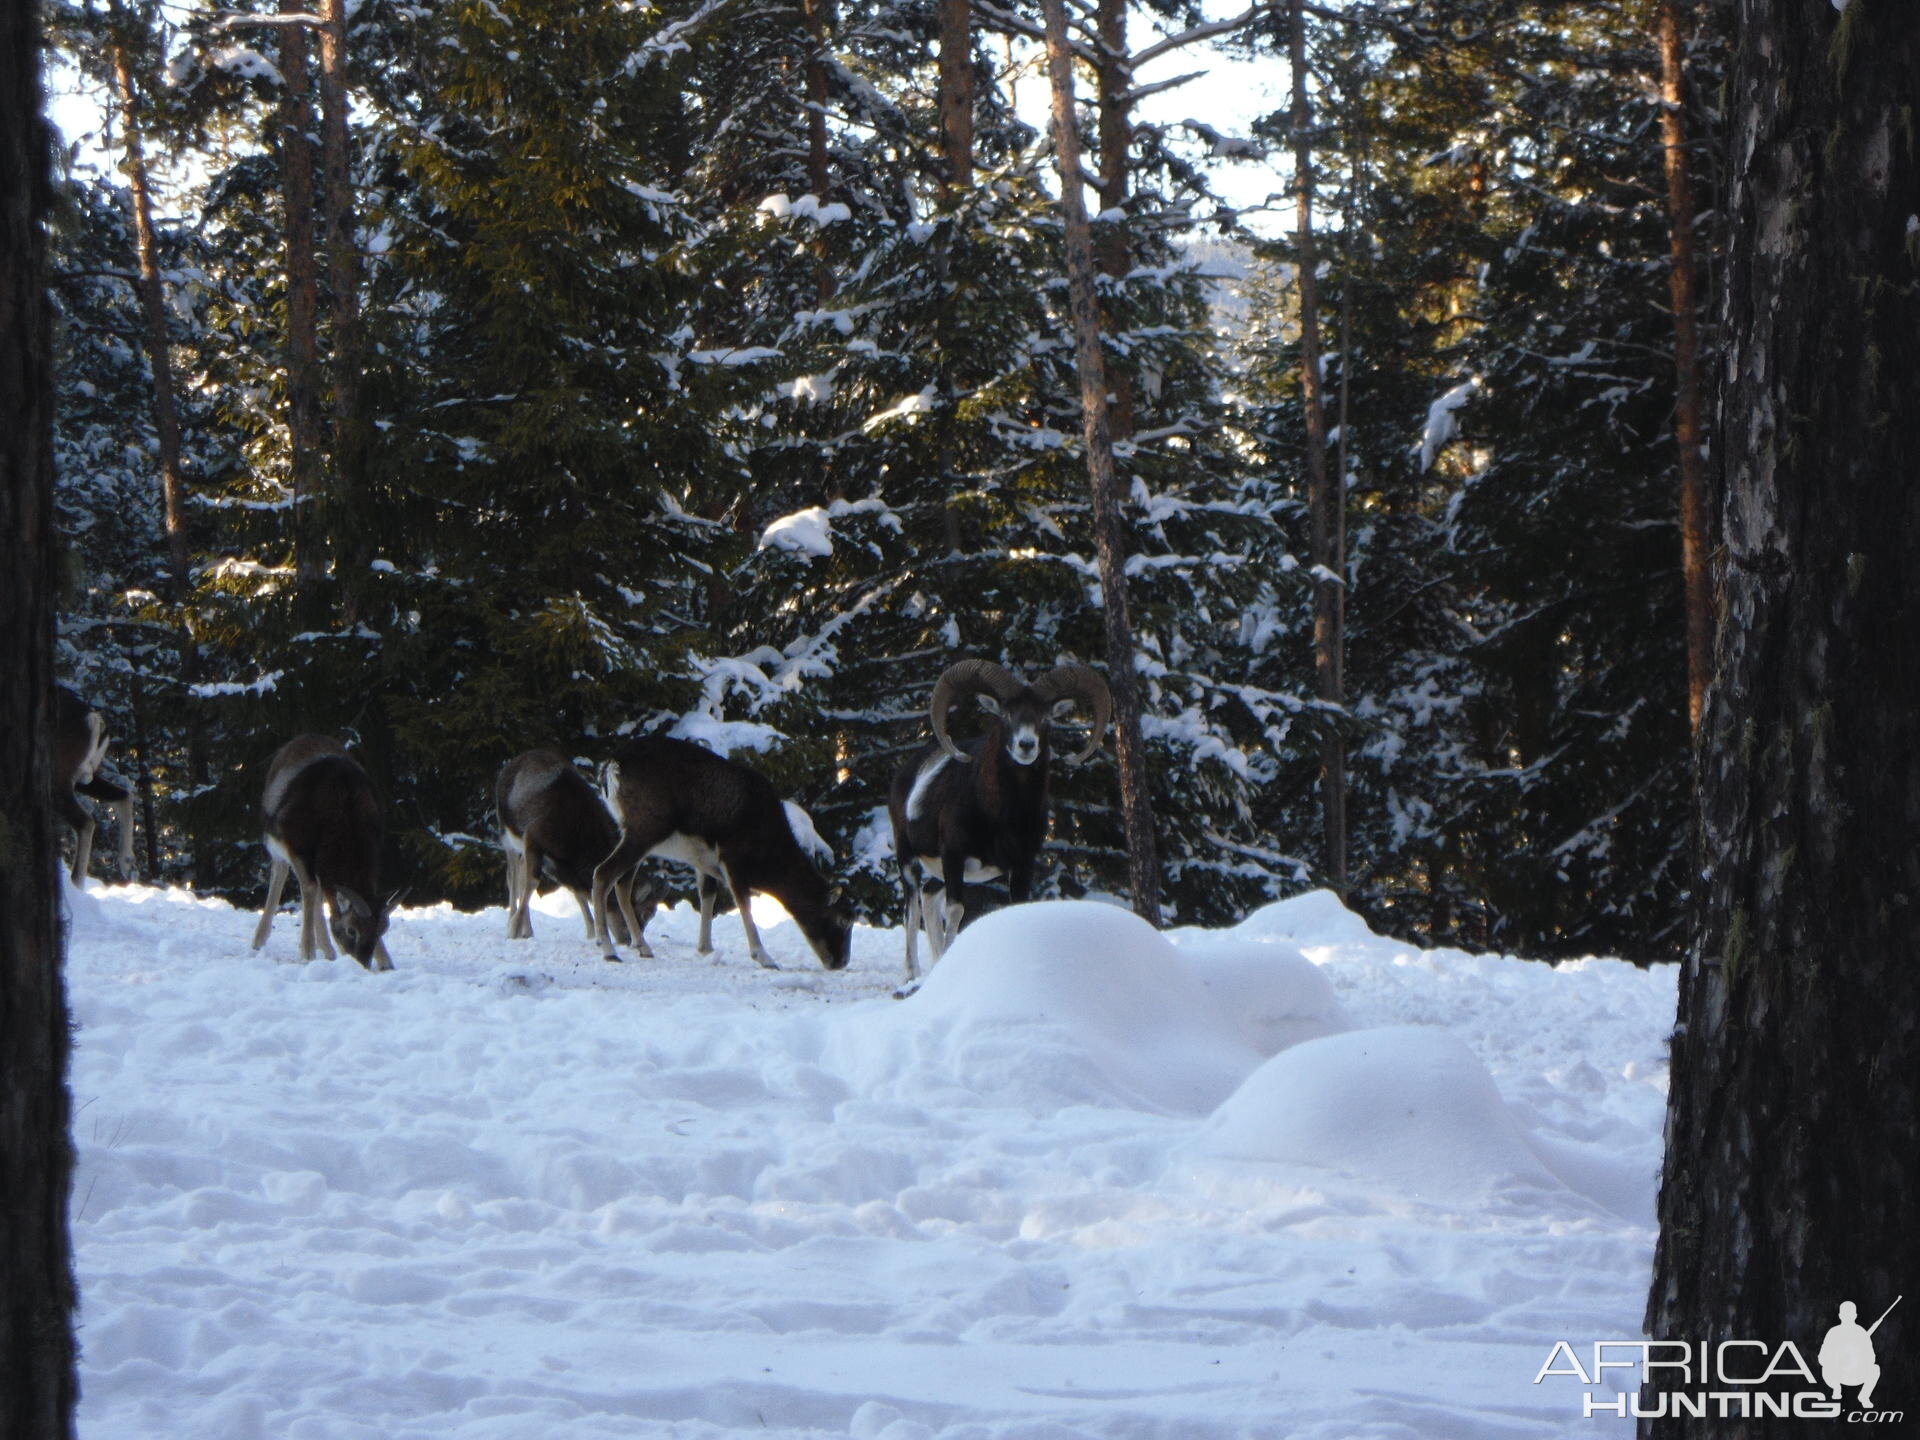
<point x="1026" y="722"/>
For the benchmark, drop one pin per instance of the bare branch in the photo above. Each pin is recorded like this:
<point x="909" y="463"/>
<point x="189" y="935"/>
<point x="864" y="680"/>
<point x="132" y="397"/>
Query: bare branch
<point x="1140" y="92"/>
<point x="266" y="22"/>
<point x="1208" y="31"/>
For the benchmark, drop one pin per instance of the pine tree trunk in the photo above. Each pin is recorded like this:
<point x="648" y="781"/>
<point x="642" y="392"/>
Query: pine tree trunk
<point x="1355" y="218"/>
<point x="1113" y="103"/>
<point x="153" y="309"/>
<point x="166" y="429"/>
<point x="350" y="523"/>
<point x="956" y="95"/>
<point x="143" y="774"/>
<point x="1143" y="864"/>
<point x="819" y="22"/>
<point x="1326" y="494"/>
<point x="1688" y="432"/>
<point x="305" y="448"/>
<point x="1791" y="1168"/>
<point x="956" y="143"/>
<point x="37" y="1385"/>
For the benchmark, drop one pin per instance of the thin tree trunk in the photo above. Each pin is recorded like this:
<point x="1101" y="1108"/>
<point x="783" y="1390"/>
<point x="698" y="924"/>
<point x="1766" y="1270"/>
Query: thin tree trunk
<point x="956" y="141"/>
<point x="1113" y="103"/>
<point x="1143" y="865"/>
<point x="1326" y="497"/>
<point x="37" y="1384"/>
<point x="1791" y="1167"/>
<point x="815" y="15"/>
<point x="153" y="307"/>
<point x="166" y="427"/>
<point x="1688" y="433"/>
<point x="305" y="448"/>
<point x="956" y="96"/>
<point x="143" y="780"/>
<point x="350" y="524"/>
<point x="819" y="20"/>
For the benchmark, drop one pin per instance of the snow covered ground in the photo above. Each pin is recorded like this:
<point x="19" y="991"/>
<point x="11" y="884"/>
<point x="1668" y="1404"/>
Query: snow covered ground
<point x="1285" y="1180"/>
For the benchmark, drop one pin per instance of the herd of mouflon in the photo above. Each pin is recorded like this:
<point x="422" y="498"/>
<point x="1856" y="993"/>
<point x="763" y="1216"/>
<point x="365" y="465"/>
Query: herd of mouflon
<point x="962" y="813"/>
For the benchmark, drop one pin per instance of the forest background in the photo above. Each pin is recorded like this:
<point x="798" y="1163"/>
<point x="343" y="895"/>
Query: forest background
<point x="459" y="378"/>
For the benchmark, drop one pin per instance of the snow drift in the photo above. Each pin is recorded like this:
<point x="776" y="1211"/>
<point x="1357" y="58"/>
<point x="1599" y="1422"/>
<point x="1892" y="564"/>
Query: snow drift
<point x="1090" y="1181"/>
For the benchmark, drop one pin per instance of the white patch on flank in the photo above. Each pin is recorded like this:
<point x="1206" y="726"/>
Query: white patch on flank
<point x="917" y="796"/>
<point x="277" y="787"/>
<point x="688" y="850"/>
<point x="529" y="782"/>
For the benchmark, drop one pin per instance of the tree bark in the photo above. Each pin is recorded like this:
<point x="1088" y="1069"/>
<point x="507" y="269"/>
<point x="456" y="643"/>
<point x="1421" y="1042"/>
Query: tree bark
<point x="1791" y="1166"/>
<point x="153" y="308"/>
<point x="1688" y="431"/>
<point x="1143" y="865"/>
<point x="37" y="1384"/>
<point x="819" y="21"/>
<point x="956" y="144"/>
<point x="956" y="96"/>
<point x="1113" y="103"/>
<point x="305" y="447"/>
<point x="1326" y="495"/>
<point x="143" y="775"/>
<point x="814" y="14"/>
<point x="350" y="524"/>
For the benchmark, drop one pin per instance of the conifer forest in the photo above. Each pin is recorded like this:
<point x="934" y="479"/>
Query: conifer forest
<point x="459" y="377"/>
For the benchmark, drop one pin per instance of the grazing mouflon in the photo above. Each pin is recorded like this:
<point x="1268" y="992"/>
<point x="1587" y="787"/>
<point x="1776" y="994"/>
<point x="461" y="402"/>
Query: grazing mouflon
<point x="321" y="820"/>
<point x="680" y="801"/>
<point x="553" y="822"/>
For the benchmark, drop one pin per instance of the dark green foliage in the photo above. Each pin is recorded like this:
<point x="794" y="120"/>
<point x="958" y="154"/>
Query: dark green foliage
<point x="617" y="335"/>
<point x="1516" y="665"/>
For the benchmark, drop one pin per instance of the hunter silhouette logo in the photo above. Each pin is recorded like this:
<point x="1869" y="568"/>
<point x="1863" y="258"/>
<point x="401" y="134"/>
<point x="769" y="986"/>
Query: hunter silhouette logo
<point x="1730" y="1379"/>
<point x="1846" y="1355"/>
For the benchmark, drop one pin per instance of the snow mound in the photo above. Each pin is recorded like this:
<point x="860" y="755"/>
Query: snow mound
<point x="1408" y="1105"/>
<point x="1063" y="1002"/>
<point x="1271" y="993"/>
<point x="1315" y="918"/>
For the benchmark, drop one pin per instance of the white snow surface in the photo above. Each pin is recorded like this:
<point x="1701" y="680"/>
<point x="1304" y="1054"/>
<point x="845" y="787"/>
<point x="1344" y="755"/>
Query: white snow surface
<point x="1287" y="1179"/>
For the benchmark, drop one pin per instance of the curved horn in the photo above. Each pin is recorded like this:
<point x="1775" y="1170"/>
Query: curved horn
<point x="1077" y="682"/>
<point x="968" y="677"/>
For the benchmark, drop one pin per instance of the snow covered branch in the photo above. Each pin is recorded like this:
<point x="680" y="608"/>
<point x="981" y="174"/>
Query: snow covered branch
<point x="1211" y="30"/>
